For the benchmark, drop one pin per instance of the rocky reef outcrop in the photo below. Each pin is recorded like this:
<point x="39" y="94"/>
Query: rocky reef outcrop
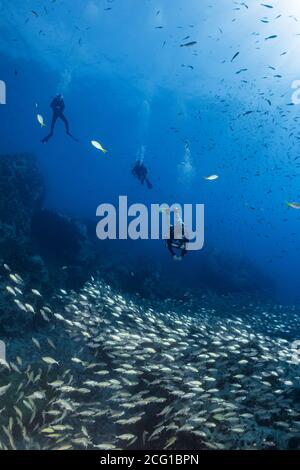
<point x="22" y="192"/>
<point x="64" y="245"/>
<point x="46" y="248"/>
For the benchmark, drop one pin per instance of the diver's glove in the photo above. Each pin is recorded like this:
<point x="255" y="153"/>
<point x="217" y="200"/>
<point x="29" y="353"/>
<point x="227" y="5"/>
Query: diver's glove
<point x="177" y="258"/>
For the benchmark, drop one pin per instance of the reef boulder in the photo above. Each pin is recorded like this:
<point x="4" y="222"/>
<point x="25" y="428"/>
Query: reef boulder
<point x="22" y="192"/>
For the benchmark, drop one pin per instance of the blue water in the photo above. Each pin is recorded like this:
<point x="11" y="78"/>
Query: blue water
<point x="113" y="338"/>
<point x="126" y="82"/>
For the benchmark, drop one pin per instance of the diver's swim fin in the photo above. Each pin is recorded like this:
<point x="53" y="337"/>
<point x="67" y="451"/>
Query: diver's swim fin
<point x="45" y="140"/>
<point x="149" y="185"/>
<point x="72" y="137"/>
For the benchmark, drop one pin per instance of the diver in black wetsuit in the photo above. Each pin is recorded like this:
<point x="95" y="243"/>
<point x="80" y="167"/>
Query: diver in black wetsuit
<point x="177" y="246"/>
<point x="58" y="107"/>
<point x="140" y="172"/>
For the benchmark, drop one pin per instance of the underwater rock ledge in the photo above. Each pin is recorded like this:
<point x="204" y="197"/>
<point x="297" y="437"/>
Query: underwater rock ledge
<point x="22" y="194"/>
<point x="37" y="242"/>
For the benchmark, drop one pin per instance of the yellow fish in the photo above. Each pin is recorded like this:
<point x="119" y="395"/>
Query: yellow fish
<point x="40" y="120"/>
<point x="212" y="178"/>
<point x="293" y="205"/>
<point x="98" y="146"/>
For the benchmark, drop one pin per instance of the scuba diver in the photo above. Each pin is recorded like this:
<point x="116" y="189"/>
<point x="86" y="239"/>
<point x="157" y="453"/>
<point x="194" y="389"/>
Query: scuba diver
<point x="58" y="107"/>
<point x="140" y="172"/>
<point x="177" y="246"/>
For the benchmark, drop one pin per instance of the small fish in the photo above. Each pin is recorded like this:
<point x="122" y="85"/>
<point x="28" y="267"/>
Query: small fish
<point x="56" y="384"/>
<point x="11" y="290"/>
<point x="40" y="120"/>
<point x="29" y="308"/>
<point x="50" y="342"/>
<point x="105" y="446"/>
<point x="235" y="56"/>
<point x="98" y="146"/>
<point x="44" y="315"/>
<point x="170" y="442"/>
<point x="50" y="360"/>
<point x="188" y="44"/>
<point x="4" y="389"/>
<point x="126" y="437"/>
<point x="293" y="205"/>
<point x="16" y="279"/>
<point x="19" y="360"/>
<point x="212" y="177"/>
<point x="36" y="292"/>
<point x="20" y="305"/>
<point x="64" y="447"/>
<point x="37" y="396"/>
<point x="59" y="317"/>
<point x="47" y="430"/>
<point x="241" y="70"/>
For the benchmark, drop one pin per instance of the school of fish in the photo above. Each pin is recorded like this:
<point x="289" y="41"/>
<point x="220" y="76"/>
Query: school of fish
<point x="101" y="370"/>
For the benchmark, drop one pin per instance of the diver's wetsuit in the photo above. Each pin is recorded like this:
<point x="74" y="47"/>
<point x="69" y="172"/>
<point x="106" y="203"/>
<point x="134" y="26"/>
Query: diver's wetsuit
<point x="58" y="107"/>
<point x="177" y="244"/>
<point x="140" y="172"/>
